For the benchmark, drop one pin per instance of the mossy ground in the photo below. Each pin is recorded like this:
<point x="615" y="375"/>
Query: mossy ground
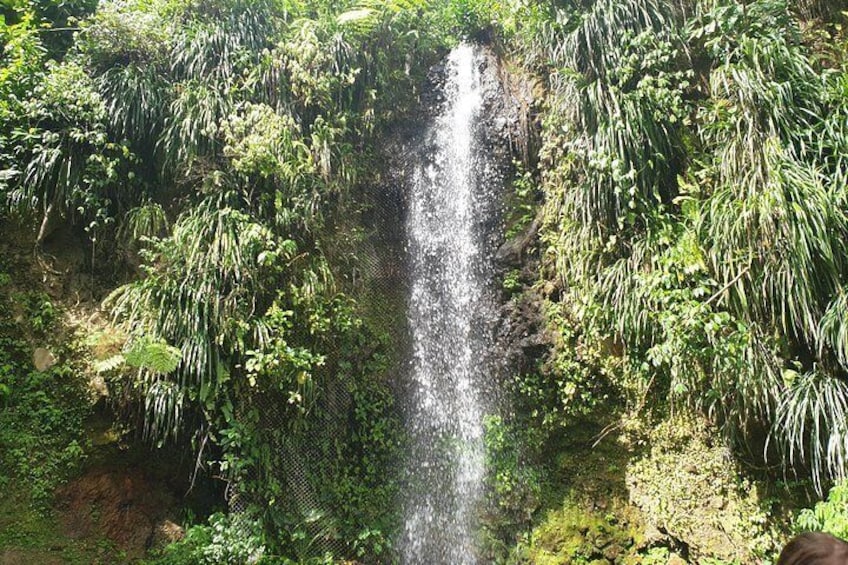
<point x="32" y="536"/>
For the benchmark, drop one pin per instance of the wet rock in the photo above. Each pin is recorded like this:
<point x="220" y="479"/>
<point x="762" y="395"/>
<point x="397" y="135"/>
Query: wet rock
<point x="520" y="336"/>
<point x="121" y="505"/>
<point x="511" y="253"/>
<point x="652" y="536"/>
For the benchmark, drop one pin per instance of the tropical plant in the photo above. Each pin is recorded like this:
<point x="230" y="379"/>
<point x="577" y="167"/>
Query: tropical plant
<point x="827" y="516"/>
<point x="201" y="296"/>
<point x="773" y="227"/>
<point x="69" y="160"/>
<point x="700" y="223"/>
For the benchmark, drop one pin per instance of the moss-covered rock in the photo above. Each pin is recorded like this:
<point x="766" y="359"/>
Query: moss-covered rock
<point x="586" y="516"/>
<point x="575" y="534"/>
<point x="689" y="487"/>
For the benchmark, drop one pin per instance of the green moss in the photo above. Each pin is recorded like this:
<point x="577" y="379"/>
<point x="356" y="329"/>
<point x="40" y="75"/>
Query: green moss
<point x="42" y="439"/>
<point x="690" y="486"/>
<point x="586" y="516"/>
<point x="573" y="534"/>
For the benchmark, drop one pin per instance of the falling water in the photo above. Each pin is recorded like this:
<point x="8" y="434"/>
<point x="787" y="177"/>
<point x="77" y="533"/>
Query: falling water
<point x="448" y="312"/>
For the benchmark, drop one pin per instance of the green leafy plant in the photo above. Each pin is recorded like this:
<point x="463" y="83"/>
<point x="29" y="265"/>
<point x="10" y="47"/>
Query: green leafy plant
<point x="829" y="516"/>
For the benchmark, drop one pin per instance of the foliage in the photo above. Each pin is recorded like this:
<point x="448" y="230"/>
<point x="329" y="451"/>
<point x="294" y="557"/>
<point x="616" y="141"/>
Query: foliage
<point x="521" y="205"/>
<point x="42" y="439"/>
<point x="216" y="143"/>
<point x="516" y="483"/>
<point x="693" y="172"/>
<point x="827" y="516"/>
<point x="70" y="163"/>
<point x="694" y="185"/>
<point x="772" y="225"/>
<point x="234" y="539"/>
<point x="145" y="221"/>
<point x="684" y="472"/>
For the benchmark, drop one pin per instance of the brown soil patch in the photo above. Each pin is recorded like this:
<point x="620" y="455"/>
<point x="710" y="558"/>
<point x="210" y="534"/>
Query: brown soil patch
<point x="123" y="506"/>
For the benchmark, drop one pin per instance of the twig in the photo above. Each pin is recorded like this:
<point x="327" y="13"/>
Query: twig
<point x="198" y="464"/>
<point x="728" y="285"/>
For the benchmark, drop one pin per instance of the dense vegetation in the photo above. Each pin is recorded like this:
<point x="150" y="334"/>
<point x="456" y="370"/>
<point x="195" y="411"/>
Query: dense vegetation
<point x="215" y="158"/>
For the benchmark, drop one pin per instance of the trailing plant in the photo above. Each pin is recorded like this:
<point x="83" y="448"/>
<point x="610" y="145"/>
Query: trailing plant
<point x="693" y="172"/>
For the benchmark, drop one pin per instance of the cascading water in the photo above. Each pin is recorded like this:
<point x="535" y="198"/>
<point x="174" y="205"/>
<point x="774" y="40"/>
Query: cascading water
<point x="450" y="306"/>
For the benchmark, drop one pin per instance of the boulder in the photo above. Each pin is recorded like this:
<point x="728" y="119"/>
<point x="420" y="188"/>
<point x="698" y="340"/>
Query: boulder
<point x="43" y="359"/>
<point x="166" y="532"/>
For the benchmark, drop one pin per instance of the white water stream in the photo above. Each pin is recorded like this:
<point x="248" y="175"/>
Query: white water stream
<point x="449" y="305"/>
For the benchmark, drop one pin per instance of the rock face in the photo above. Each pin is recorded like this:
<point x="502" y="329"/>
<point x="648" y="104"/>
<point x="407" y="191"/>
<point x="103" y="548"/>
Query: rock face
<point x="121" y="505"/>
<point x="688" y="488"/>
<point x="512" y="252"/>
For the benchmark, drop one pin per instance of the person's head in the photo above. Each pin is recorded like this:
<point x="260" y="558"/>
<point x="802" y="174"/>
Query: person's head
<point x="814" y="548"/>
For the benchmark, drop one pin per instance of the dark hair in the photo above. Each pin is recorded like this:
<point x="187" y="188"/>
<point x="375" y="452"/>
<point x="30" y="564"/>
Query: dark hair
<point x="814" y="548"/>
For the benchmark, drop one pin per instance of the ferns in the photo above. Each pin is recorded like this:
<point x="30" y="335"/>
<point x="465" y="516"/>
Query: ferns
<point x="829" y="516"/>
<point x="157" y="357"/>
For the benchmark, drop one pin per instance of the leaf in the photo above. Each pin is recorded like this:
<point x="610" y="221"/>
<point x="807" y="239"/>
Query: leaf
<point x="352" y="16"/>
<point x="109" y="364"/>
<point x="155" y="356"/>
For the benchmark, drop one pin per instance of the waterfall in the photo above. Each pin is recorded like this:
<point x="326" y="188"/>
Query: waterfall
<point x="449" y="308"/>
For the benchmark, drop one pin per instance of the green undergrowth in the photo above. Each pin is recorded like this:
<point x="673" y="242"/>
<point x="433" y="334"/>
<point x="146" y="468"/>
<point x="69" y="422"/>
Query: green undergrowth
<point x="559" y="493"/>
<point x="43" y="440"/>
<point x="42" y="432"/>
<point x="830" y="515"/>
